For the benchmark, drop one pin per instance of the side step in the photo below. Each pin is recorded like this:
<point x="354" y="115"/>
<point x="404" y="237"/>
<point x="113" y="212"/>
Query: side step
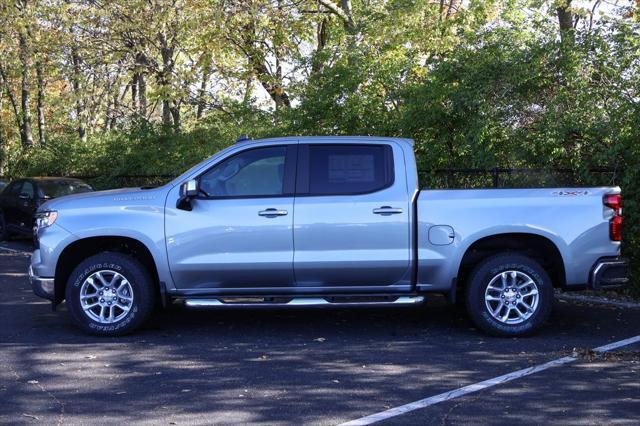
<point x="302" y="302"/>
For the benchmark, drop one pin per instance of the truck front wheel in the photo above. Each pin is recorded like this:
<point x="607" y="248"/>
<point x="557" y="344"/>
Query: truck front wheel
<point x="509" y="295"/>
<point x="109" y="294"/>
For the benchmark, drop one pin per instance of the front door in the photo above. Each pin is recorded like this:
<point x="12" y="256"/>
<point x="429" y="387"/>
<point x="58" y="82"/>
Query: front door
<point x="239" y="233"/>
<point x="351" y="225"/>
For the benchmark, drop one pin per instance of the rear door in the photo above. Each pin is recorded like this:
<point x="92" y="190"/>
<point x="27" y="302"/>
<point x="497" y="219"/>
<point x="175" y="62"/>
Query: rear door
<point x="351" y="225"/>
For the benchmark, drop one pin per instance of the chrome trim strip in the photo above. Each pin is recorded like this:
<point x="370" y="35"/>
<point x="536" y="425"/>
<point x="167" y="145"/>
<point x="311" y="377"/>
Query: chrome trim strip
<point x="43" y="287"/>
<point x="302" y="301"/>
<point x="605" y="264"/>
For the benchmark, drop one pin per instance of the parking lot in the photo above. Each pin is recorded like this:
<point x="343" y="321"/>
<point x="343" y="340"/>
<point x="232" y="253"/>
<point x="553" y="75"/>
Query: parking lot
<point x="308" y="366"/>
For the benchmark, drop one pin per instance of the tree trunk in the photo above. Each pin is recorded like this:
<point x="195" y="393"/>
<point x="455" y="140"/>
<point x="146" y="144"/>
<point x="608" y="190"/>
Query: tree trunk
<point x="248" y="91"/>
<point x="41" y="119"/>
<point x="26" y="135"/>
<point x="322" y="37"/>
<point x="12" y="98"/>
<point x="134" y="92"/>
<point x="142" y="95"/>
<point x="174" y="107"/>
<point x="344" y="12"/>
<point x="272" y="84"/>
<point x="348" y="9"/>
<point x="117" y="100"/>
<point x="166" y="112"/>
<point x="565" y="19"/>
<point x="170" y="109"/>
<point x="141" y="84"/>
<point x="77" y="90"/>
<point x="206" y="73"/>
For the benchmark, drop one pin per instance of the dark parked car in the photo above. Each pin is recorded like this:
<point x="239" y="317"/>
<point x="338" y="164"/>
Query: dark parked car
<point x="21" y="198"/>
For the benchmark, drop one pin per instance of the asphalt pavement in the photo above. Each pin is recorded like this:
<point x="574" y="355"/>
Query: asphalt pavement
<point x="315" y="366"/>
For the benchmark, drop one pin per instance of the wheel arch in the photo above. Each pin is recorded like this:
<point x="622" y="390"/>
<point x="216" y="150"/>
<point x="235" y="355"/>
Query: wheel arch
<point x="83" y="248"/>
<point x="536" y="246"/>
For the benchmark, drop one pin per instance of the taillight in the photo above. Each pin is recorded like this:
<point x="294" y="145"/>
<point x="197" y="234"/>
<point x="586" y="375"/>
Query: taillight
<point x="615" y="228"/>
<point x="614" y="202"/>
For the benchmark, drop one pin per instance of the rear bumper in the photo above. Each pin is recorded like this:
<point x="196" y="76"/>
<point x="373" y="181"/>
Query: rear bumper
<point x="42" y="287"/>
<point x="609" y="272"/>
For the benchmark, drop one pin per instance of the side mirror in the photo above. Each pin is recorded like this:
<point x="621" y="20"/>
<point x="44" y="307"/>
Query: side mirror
<point x="24" y="196"/>
<point x="188" y="190"/>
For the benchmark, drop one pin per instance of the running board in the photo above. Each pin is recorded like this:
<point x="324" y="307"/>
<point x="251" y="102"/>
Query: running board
<point x="302" y="302"/>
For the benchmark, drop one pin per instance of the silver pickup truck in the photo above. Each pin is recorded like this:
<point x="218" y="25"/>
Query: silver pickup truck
<point x="323" y="221"/>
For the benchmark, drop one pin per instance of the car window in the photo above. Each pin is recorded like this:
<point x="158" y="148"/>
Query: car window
<point x="13" y="189"/>
<point x="27" y="189"/>
<point x="252" y="173"/>
<point x="59" y="188"/>
<point x="349" y="169"/>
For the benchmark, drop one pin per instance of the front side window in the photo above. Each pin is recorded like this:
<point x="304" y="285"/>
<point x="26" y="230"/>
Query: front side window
<point x="349" y="169"/>
<point x="253" y="173"/>
<point x="13" y="189"/>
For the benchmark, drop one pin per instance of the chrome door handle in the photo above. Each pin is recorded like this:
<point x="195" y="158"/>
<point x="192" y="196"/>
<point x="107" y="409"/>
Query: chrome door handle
<point x="387" y="210"/>
<point x="272" y="212"/>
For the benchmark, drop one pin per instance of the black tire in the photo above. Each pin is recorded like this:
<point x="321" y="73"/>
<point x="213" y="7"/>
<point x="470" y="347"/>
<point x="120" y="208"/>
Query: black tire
<point x="479" y="281"/>
<point x="141" y="286"/>
<point x="4" y="234"/>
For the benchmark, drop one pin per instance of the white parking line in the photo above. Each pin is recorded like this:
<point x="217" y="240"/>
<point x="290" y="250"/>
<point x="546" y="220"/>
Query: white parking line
<point x="412" y="406"/>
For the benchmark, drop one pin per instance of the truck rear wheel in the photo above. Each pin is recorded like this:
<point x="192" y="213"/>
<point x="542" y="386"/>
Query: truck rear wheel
<point x="109" y="294"/>
<point x="509" y="295"/>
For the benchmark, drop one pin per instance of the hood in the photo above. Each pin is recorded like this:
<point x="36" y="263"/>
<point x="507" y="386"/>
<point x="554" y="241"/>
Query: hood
<point x="111" y="197"/>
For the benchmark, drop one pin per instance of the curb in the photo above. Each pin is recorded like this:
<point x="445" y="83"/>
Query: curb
<point x="597" y="300"/>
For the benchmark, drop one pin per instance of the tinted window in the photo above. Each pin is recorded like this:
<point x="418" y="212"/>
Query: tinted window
<point x="13" y="188"/>
<point x="257" y="172"/>
<point x="349" y="169"/>
<point x="59" y="188"/>
<point x="27" y="189"/>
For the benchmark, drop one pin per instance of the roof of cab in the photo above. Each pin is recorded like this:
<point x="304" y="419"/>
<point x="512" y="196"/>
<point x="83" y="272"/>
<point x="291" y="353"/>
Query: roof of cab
<point x="308" y="139"/>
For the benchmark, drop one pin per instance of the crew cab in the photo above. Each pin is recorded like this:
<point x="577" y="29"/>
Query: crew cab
<point x="323" y="221"/>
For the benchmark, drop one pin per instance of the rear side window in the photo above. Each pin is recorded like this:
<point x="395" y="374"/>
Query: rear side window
<point x="349" y="169"/>
<point x="27" y="189"/>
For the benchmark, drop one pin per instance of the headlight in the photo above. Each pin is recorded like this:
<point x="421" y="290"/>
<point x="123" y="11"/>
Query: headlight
<point x="46" y="218"/>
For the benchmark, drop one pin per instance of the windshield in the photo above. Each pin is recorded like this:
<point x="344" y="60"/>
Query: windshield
<point x="54" y="189"/>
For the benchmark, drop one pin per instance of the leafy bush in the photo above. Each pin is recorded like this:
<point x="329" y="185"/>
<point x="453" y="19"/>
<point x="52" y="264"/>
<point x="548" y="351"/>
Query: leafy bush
<point x="507" y="97"/>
